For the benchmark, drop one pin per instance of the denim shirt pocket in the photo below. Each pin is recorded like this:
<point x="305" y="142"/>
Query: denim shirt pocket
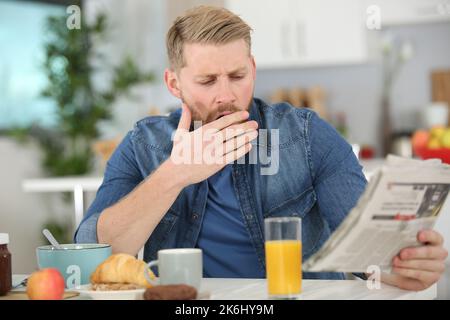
<point x="296" y="206"/>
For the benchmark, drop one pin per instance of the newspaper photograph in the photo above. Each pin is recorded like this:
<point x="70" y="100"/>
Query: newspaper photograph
<point x="402" y="198"/>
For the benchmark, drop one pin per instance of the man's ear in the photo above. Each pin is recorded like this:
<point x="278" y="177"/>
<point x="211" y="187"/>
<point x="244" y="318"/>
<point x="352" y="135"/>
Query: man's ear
<point x="172" y="83"/>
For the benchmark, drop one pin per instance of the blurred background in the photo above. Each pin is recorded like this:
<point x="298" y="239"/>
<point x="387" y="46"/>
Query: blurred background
<point x="76" y="75"/>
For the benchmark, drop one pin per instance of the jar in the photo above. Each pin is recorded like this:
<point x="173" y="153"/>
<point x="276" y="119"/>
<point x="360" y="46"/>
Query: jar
<point x="5" y="265"/>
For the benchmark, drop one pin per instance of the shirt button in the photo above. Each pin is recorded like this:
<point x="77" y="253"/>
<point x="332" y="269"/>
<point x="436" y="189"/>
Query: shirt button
<point x="195" y="216"/>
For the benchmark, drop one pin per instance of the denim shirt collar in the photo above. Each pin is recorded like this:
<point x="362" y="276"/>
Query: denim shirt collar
<point x="254" y="113"/>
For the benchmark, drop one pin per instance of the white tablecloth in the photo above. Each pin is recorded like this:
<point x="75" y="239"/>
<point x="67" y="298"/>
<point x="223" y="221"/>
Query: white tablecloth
<point x="255" y="289"/>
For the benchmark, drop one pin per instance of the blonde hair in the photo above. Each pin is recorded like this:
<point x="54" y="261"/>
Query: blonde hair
<point x="204" y="25"/>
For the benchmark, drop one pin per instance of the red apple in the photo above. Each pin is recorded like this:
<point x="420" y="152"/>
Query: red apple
<point x="420" y="140"/>
<point x="45" y="284"/>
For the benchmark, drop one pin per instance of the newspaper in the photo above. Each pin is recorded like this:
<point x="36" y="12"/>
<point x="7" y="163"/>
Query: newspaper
<point x="403" y="197"/>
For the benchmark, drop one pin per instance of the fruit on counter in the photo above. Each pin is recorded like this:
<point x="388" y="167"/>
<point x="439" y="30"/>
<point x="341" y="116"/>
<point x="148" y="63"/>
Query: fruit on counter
<point x="445" y="139"/>
<point x="45" y="284"/>
<point x="434" y="143"/>
<point x="437" y="132"/>
<point x="438" y="137"/>
<point x="420" y="138"/>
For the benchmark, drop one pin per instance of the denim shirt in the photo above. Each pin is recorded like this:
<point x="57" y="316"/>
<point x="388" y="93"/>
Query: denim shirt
<point x="317" y="178"/>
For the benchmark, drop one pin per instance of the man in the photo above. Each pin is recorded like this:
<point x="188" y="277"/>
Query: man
<point x="156" y="193"/>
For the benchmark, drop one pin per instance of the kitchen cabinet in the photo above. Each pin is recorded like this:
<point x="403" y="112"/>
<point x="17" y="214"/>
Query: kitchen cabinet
<point x="289" y="33"/>
<point x="400" y="12"/>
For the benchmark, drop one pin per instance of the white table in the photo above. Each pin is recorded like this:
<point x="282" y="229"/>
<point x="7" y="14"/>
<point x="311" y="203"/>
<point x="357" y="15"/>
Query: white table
<point x="255" y="289"/>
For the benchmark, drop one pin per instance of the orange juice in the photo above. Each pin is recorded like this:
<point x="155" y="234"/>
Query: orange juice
<point x="284" y="267"/>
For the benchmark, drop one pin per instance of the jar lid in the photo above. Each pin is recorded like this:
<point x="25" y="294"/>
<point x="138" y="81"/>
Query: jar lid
<point x="4" y="238"/>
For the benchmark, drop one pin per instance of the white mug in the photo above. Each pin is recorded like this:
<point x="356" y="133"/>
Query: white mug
<point x="178" y="266"/>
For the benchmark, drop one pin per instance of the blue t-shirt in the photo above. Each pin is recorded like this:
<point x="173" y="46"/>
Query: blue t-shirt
<point x="224" y="239"/>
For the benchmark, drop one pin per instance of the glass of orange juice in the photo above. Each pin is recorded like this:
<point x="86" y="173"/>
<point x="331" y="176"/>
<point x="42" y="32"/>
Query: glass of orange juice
<point x="283" y="257"/>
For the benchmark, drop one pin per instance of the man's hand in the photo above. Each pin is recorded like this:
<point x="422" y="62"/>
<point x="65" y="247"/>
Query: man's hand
<point x="417" y="268"/>
<point x="201" y="153"/>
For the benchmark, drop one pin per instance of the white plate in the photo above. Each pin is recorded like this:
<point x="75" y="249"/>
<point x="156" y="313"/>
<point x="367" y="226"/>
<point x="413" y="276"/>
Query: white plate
<point x="135" y="294"/>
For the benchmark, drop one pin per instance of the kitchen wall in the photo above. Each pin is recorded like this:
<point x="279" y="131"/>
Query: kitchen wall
<point x="356" y="89"/>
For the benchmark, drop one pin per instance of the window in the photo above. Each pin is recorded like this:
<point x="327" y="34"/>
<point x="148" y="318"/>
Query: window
<point x="22" y="78"/>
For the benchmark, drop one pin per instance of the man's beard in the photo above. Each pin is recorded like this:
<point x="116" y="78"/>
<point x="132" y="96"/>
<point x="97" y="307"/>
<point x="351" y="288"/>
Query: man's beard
<point x="197" y="116"/>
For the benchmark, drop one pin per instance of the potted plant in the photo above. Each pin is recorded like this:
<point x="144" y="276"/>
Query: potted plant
<point x="69" y="55"/>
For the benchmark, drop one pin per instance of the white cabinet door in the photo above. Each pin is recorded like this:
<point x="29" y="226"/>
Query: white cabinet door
<point x="275" y="40"/>
<point x="335" y="31"/>
<point x="270" y="36"/>
<point x="304" y="32"/>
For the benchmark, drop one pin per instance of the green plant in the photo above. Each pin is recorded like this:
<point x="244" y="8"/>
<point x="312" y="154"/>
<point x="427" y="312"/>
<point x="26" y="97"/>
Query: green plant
<point x="80" y="106"/>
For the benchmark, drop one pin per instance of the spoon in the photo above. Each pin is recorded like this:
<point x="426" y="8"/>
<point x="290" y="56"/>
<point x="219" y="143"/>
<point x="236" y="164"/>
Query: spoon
<point x="51" y="239"/>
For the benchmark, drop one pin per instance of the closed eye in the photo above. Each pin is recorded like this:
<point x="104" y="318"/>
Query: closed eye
<point x="207" y="83"/>
<point x="210" y="82"/>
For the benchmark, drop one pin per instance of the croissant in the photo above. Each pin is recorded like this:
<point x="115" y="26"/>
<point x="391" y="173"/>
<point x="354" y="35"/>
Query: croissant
<point x="122" y="268"/>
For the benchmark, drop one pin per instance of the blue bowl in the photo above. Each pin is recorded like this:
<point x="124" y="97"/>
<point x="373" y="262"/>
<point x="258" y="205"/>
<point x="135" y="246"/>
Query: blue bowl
<point x="76" y="262"/>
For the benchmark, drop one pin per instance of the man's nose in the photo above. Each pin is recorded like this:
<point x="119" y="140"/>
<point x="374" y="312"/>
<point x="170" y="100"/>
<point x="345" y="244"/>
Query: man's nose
<point x="225" y="94"/>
